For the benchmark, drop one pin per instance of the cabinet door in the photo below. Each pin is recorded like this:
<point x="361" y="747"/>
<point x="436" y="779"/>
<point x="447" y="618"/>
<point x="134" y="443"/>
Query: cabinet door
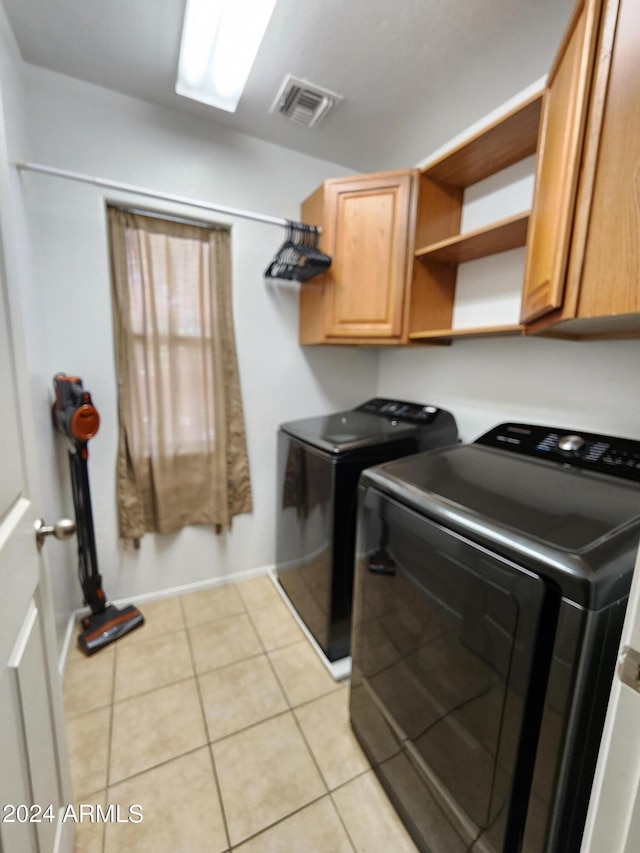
<point x="368" y="224"/>
<point x="559" y="156"/>
<point x="609" y="281"/>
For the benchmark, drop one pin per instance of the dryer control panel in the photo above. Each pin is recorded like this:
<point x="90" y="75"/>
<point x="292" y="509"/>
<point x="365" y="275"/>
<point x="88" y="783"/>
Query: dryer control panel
<point x="606" y="454"/>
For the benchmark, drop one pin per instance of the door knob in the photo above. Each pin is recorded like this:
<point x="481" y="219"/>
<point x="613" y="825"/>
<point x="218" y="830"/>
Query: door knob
<point x="63" y="529"/>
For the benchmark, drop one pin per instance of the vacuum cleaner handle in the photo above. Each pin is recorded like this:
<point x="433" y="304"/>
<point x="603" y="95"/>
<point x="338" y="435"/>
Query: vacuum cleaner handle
<point x="75" y="415"/>
<point x="90" y="577"/>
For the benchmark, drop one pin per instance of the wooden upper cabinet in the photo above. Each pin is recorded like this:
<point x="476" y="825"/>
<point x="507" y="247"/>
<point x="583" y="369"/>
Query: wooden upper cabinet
<point x="367" y="227"/>
<point x="395" y="239"/>
<point x="601" y="295"/>
<point x="562" y="131"/>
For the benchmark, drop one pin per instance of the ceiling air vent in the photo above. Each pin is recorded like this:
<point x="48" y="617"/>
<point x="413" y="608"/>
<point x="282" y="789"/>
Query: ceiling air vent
<point x="302" y="102"/>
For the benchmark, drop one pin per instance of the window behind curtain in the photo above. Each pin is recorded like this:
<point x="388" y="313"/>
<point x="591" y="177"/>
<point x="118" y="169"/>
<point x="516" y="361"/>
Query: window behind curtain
<point x="182" y="455"/>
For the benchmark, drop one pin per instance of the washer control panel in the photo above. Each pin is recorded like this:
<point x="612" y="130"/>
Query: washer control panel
<point x="619" y="457"/>
<point x="414" y="413"/>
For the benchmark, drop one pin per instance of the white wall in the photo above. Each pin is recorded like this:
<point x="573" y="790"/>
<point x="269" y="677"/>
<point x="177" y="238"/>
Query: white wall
<point x="90" y="130"/>
<point x="588" y="385"/>
<point x="15" y="246"/>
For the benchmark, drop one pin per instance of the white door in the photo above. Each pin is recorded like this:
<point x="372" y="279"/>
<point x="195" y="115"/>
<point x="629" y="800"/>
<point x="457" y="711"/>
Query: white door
<point x="613" y="822"/>
<point x="34" y="766"/>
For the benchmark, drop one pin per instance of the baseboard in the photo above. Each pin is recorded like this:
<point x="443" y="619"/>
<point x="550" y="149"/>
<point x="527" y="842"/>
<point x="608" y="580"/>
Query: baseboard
<point x="172" y="592"/>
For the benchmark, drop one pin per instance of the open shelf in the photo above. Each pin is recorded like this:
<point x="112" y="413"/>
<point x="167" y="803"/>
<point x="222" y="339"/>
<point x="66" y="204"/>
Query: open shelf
<point x="509" y="233"/>
<point x="479" y="332"/>
<point x="440" y="247"/>
<point x="507" y="140"/>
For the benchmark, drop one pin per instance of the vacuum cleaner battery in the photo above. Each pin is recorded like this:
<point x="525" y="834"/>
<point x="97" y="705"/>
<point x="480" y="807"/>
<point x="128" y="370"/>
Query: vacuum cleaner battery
<point x="76" y="417"/>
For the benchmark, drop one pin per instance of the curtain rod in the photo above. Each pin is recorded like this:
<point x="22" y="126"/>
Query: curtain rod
<point x="183" y="220"/>
<point x="132" y="188"/>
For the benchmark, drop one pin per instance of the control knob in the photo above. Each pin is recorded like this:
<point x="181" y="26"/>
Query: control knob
<point x="571" y="443"/>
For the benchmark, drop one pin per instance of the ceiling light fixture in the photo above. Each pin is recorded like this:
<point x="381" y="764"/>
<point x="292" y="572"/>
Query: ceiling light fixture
<point x="220" y="41"/>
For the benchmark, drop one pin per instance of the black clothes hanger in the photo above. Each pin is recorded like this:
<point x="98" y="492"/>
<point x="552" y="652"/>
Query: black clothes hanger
<point x="299" y="258"/>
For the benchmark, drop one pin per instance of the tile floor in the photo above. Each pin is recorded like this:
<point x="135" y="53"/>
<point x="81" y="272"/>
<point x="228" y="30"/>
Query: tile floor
<point x="218" y="719"/>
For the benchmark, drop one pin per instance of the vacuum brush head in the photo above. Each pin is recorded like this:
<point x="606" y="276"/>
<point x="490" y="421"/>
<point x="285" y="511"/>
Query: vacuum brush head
<point x="100" y="629"/>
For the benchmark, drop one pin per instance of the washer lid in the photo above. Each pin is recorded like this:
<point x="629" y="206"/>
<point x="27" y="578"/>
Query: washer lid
<point x="347" y="431"/>
<point x="579" y="528"/>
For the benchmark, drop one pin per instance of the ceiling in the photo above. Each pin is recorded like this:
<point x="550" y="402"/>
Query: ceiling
<point x="413" y="73"/>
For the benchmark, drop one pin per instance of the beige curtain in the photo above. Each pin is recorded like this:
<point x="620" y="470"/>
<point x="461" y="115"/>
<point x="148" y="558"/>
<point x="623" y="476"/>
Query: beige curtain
<point x="182" y="456"/>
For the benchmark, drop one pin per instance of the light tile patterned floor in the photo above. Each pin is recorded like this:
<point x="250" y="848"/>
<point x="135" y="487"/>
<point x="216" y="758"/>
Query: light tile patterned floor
<point x="218" y="719"/>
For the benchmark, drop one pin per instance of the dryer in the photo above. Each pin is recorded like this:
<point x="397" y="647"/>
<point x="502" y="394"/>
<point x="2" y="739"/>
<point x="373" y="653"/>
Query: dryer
<point x="491" y="585"/>
<point x="319" y="462"/>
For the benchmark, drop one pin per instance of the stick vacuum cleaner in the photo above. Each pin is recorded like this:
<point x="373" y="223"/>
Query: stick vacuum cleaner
<point x="75" y="415"/>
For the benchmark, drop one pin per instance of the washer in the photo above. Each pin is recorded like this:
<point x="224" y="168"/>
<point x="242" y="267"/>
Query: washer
<point x="491" y="586"/>
<point x="319" y="462"/>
